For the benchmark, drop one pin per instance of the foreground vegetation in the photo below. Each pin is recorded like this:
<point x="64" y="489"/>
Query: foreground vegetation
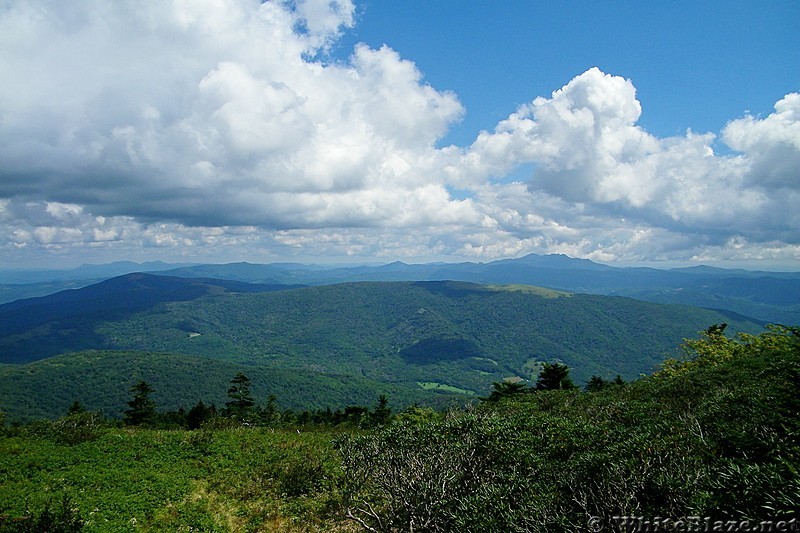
<point x="716" y="433"/>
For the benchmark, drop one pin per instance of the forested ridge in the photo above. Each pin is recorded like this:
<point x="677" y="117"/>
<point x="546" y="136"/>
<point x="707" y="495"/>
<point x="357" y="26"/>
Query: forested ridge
<point x="318" y="347"/>
<point x="714" y="433"/>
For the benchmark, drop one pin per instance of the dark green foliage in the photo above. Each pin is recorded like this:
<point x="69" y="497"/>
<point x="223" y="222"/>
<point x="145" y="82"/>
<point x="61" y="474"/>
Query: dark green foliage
<point x="72" y="317"/>
<point x="595" y="384"/>
<point x="440" y="349"/>
<point x="269" y="414"/>
<point x="178" y="381"/>
<point x="504" y="389"/>
<point x="199" y="414"/>
<point x="554" y="376"/>
<point x="382" y="413"/>
<point x="75" y="408"/>
<point x="60" y="518"/>
<point x="141" y="409"/>
<point x="241" y="402"/>
<point x="459" y="334"/>
<point x="716" y="435"/>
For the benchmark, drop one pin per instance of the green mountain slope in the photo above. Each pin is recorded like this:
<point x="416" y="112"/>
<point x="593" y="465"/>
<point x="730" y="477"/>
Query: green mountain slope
<point x="461" y="334"/>
<point x="420" y="339"/>
<point x="34" y="328"/>
<point x="101" y="381"/>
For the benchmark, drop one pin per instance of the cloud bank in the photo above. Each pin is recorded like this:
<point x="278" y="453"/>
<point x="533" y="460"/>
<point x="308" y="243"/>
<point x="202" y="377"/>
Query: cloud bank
<point x="226" y="128"/>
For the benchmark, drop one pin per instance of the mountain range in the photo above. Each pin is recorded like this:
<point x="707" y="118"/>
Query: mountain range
<point x="764" y="296"/>
<point x="421" y="341"/>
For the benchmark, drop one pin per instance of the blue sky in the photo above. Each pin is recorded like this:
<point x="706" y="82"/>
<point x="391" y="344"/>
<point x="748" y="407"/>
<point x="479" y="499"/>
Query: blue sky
<point x="695" y="64"/>
<point x="371" y="131"/>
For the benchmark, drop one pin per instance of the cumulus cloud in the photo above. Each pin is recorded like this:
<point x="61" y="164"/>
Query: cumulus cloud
<point x="190" y="127"/>
<point x="588" y="150"/>
<point x="214" y="116"/>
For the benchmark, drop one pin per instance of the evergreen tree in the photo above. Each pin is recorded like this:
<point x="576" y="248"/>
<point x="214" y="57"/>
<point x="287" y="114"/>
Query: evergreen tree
<point x="504" y="389"/>
<point x="382" y="413"/>
<point x="241" y="401"/>
<point x="269" y="414"/>
<point x="76" y="408"/>
<point x="595" y="383"/>
<point x="554" y="376"/>
<point x="142" y="410"/>
<point x="198" y="414"/>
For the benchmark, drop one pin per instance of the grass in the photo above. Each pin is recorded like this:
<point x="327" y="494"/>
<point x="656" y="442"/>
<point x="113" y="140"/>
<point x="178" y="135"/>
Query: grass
<point x="246" y="479"/>
<point x="434" y="385"/>
<point x="530" y="289"/>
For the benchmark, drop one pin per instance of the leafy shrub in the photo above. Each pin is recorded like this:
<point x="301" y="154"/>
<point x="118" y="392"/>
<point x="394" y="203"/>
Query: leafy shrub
<point x="63" y="518"/>
<point x="718" y="435"/>
<point x="77" y="428"/>
<point x="298" y="474"/>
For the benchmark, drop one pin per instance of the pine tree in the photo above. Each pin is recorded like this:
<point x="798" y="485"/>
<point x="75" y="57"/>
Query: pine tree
<point x="554" y="376"/>
<point x="595" y="383"/>
<point x="270" y="415"/>
<point x="142" y="410"/>
<point x="241" y="401"/>
<point x="76" y="408"/>
<point x="504" y="389"/>
<point x="382" y="412"/>
<point x="198" y="414"/>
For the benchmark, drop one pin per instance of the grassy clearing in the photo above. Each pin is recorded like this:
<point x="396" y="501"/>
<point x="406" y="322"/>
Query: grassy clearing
<point x="151" y="480"/>
<point x="530" y="289"/>
<point x="434" y="385"/>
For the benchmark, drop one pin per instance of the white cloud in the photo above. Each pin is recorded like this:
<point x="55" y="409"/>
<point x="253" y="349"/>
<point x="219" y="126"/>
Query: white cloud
<point x="771" y="144"/>
<point x="184" y="127"/>
<point x="589" y="151"/>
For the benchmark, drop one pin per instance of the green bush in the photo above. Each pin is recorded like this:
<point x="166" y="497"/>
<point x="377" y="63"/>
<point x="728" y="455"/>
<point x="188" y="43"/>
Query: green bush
<point x="716" y="435"/>
<point x="61" y="518"/>
<point x="77" y="428"/>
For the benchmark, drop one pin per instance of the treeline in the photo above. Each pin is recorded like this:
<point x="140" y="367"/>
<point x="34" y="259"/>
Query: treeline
<point x="241" y="409"/>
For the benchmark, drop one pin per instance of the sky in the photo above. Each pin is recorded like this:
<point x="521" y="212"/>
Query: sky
<point x="332" y="131"/>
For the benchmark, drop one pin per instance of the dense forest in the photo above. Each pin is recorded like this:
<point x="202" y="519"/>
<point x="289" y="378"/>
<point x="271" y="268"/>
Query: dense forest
<point x="712" y="436"/>
<point x="432" y="343"/>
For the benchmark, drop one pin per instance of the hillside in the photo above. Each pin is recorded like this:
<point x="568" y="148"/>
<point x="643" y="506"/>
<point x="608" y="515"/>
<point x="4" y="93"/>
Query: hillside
<point x="34" y="328"/>
<point x="766" y="296"/>
<point x="439" y="337"/>
<point x="714" y="436"/>
<point x="710" y="444"/>
<point x="101" y="381"/>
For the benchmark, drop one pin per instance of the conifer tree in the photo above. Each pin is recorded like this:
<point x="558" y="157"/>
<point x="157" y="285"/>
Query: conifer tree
<point x="198" y="414"/>
<point x="554" y="376"/>
<point x="241" y="401"/>
<point x="595" y="383"/>
<point x="382" y="413"/>
<point x="142" y="410"/>
<point x="504" y="389"/>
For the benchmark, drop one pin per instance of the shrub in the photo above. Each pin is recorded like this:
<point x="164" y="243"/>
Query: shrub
<point x="63" y="518"/>
<point x="77" y="428"/>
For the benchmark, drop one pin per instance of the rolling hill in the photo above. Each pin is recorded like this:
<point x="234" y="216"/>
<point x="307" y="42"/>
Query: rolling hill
<point x="101" y="381"/>
<point x="432" y="337"/>
<point x="49" y="325"/>
<point x="765" y="296"/>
